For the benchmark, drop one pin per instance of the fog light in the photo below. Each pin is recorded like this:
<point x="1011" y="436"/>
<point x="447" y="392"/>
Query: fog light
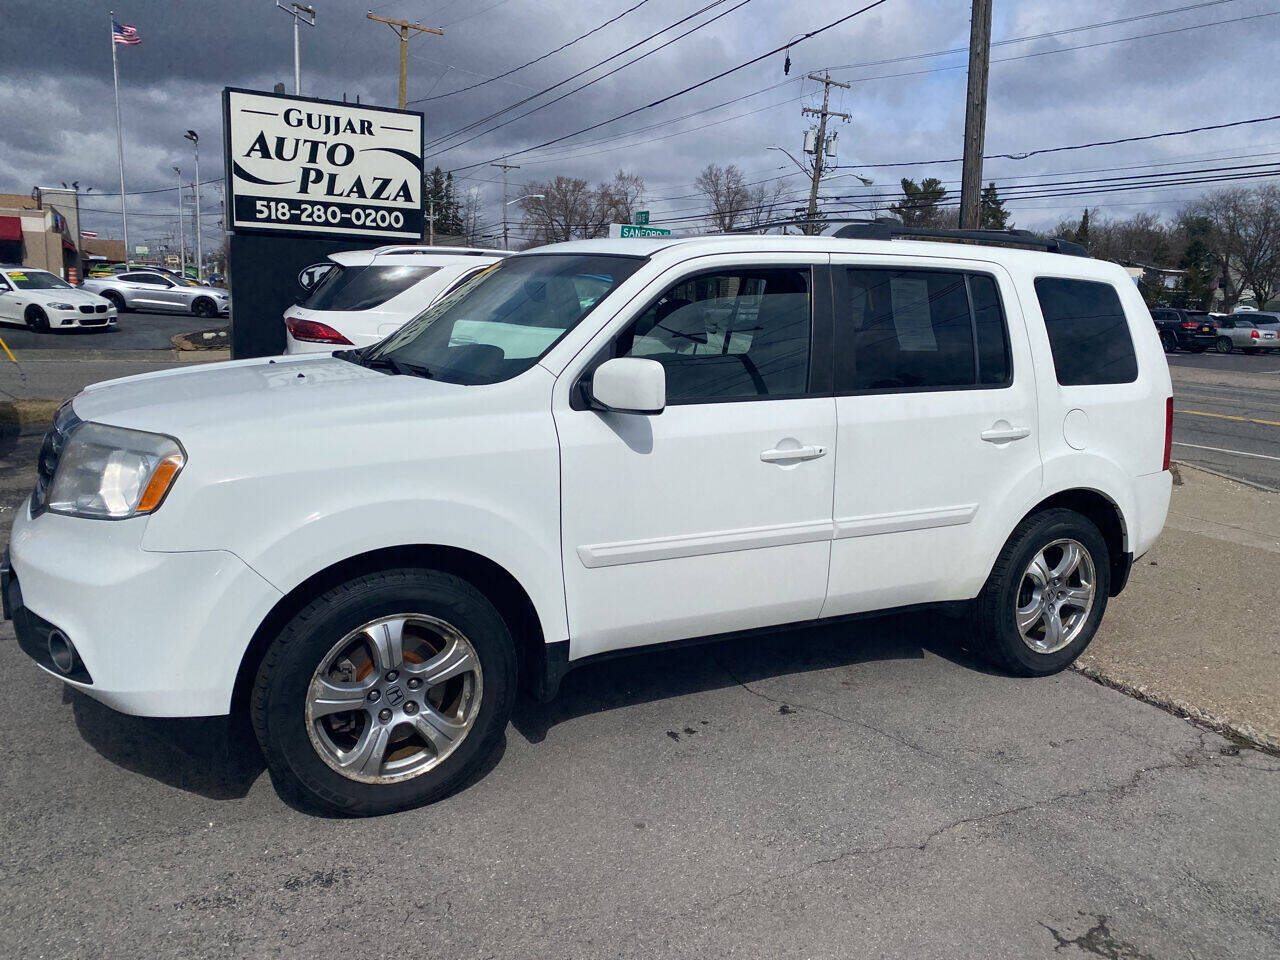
<point x="62" y="652"/>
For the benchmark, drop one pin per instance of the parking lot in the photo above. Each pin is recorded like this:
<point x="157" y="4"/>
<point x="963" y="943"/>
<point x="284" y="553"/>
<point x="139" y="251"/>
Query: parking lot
<point x="133" y="331"/>
<point x="851" y="790"/>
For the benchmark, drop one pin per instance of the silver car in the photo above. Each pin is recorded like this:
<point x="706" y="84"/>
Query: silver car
<point x="152" y="290"/>
<point x="1250" y="332"/>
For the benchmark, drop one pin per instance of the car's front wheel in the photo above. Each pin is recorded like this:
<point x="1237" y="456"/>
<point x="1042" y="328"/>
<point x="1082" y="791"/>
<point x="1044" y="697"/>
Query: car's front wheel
<point x="1046" y="594"/>
<point x="37" y="319"/>
<point x="385" y="692"/>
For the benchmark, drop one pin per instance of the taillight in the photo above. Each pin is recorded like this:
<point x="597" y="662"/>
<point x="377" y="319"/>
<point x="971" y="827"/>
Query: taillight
<point x="1189" y="326"/>
<point x="1254" y="335"/>
<point x="313" y="331"/>
<point x="1168" y="431"/>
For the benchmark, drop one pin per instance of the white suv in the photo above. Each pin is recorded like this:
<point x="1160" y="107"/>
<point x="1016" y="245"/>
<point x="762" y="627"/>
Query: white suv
<point x="366" y="295"/>
<point x="597" y="445"/>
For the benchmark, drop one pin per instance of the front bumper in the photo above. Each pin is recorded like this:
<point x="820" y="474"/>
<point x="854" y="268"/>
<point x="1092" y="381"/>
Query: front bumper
<point x="157" y="634"/>
<point x="76" y="318"/>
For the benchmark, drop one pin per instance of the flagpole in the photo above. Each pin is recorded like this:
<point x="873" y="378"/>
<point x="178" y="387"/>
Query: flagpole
<point x="115" y="75"/>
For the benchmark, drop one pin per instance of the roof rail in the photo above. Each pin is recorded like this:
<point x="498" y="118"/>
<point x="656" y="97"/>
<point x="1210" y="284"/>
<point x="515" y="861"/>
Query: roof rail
<point x="426" y="250"/>
<point x="881" y="230"/>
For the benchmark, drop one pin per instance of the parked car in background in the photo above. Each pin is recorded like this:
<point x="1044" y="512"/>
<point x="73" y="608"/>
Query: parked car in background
<point x="41" y="301"/>
<point x="1267" y="323"/>
<point x="1242" y="332"/>
<point x="368" y="294"/>
<point x="154" y="290"/>
<point x="1192" y="330"/>
<point x="595" y="446"/>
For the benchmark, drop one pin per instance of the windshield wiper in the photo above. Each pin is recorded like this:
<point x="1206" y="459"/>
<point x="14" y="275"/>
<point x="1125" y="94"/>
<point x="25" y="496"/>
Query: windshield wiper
<point x="398" y="367"/>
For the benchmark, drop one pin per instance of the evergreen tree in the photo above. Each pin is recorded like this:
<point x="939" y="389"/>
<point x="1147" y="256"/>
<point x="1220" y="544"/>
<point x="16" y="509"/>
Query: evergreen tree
<point x="1195" y="287"/>
<point x="919" y="206"/>
<point x="992" y="214"/>
<point x="1082" y="231"/>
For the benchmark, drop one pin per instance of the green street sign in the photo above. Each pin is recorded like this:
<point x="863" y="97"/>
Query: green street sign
<point x="624" y="230"/>
<point x="642" y="218"/>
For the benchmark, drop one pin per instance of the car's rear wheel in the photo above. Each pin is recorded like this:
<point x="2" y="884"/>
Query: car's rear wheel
<point x="204" y="307"/>
<point x="1223" y="345"/>
<point x="1046" y="594"/>
<point x="385" y="692"/>
<point x="117" y="301"/>
<point x="37" y="319"/>
<point x="1168" y="341"/>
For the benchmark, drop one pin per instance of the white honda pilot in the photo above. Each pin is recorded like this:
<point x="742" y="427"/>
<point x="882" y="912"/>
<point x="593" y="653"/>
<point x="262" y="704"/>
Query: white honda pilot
<point x="594" y="446"/>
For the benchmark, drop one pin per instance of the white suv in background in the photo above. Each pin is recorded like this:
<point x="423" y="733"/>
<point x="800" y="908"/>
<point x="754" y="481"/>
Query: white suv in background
<point x="596" y="446"/>
<point x="367" y="294"/>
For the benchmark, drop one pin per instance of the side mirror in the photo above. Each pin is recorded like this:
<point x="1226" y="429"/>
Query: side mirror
<point x="629" y="385"/>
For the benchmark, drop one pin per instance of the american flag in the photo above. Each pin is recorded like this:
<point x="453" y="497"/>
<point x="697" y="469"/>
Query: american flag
<point x="125" y="34"/>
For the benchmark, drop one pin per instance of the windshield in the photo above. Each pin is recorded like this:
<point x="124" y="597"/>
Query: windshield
<point x="36" y="280"/>
<point x="362" y="288"/>
<point x="501" y="322"/>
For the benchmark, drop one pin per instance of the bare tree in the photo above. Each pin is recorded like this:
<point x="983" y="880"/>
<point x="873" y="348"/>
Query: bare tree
<point x="765" y="202"/>
<point x="727" y="196"/>
<point x="474" y="225"/>
<point x="1246" y="239"/>
<point x="621" y="196"/>
<point x="571" y="209"/>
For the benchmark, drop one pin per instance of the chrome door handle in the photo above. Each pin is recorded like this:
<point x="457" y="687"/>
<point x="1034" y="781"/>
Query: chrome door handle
<point x="794" y="453"/>
<point x="1005" y="434"/>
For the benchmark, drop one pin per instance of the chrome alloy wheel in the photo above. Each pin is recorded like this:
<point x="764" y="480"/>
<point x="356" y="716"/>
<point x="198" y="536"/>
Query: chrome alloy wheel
<point x="1056" y="596"/>
<point x="393" y="698"/>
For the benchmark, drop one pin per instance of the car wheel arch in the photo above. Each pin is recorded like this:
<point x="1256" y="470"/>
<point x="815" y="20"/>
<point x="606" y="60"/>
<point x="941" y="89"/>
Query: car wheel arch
<point x="502" y="589"/>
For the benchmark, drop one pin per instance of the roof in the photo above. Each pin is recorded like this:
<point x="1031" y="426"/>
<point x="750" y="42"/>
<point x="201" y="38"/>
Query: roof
<point x="410" y="254"/>
<point x="677" y="248"/>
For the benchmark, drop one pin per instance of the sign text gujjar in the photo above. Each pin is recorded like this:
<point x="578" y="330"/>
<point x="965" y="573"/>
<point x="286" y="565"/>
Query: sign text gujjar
<point x="300" y="165"/>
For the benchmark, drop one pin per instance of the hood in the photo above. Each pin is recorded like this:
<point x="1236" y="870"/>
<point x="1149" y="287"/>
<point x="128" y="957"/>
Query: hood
<point x="276" y="395"/>
<point x="74" y="295"/>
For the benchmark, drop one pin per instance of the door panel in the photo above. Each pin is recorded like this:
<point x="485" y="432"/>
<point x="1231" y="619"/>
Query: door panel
<point x="715" y="515"/>
<point x="931" y="460"/>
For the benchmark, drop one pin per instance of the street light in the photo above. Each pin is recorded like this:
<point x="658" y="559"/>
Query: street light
<point x="299" y="11"/>
<point x="195" y="141"/>
<point x="506" y="243"/>
<point x="182" y="239"/>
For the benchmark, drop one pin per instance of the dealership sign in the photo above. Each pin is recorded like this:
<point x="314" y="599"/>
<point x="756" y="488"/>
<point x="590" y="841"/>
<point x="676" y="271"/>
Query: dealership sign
<point x="299" y="165"/>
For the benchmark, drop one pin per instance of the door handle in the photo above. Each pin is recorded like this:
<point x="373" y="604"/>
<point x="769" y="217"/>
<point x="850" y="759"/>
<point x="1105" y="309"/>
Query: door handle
<point x="793" y="453"/>
<point x="1005" y="434"/>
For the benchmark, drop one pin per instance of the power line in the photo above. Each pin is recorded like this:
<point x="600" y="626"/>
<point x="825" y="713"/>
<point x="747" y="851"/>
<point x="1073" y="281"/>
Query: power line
<point x="563" y="46"/>
<point x="690" y="88"/>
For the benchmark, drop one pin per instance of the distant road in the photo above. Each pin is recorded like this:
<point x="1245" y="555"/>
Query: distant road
<point x="1227" y="414"/>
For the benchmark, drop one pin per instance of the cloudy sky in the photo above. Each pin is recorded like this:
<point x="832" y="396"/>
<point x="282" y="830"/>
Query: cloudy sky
<point x="1062" y="74"/>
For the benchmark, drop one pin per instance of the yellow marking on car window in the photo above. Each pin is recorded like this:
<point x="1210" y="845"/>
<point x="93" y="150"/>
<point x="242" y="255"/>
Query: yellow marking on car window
<point x="18" y="276"/>
<point x="1225" y="416"/>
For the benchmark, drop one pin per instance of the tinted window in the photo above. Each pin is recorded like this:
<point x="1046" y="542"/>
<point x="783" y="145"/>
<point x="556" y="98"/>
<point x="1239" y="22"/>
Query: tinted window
<point x="362" y="288"/>
<point x="1088" y="332"/>
<point x="499" y="323"/>
<point x="1265" y="320"/>
<point x="736" y="335"/>
<point x="150" y="278"/>
<point x="915" y="330"/>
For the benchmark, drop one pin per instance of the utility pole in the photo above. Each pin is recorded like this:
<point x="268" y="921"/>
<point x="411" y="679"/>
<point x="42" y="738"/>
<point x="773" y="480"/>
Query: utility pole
<point x="506" y="242"/>
<point x="298" y="11"/>
<point x="195" y="189"/>
<point x="401" y="28"/>
<point x="431" y="222"/>
<point x="182" y="239"/>
<point x="975" y="116"/>
<point x="820" y="145"/>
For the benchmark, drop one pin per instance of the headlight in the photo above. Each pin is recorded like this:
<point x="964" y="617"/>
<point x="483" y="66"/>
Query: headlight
<point x="60" y="306"/>
<point x="111" y="473"/>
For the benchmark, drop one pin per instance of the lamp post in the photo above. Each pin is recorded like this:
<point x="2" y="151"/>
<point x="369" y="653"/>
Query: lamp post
<point x="506" y="244"/>
<point x="299" y="12"/>
<point x="182" y="239"/>
<point x="195" y="142"/>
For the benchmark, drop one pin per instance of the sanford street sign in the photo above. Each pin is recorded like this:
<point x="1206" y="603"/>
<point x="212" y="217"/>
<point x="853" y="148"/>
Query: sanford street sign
<point x="617" y="230"/>
<point x="306" y="166"/>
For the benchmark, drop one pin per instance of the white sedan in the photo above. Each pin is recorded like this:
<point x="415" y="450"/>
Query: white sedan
<point x="41" y="301"/>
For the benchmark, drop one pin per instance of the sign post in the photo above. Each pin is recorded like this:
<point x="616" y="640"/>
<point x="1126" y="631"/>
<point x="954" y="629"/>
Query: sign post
<point x="306" y="178"/>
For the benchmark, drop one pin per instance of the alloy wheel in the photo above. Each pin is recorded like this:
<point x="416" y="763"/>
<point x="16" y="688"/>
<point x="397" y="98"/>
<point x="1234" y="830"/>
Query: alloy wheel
<point x="393" y="698"/>
<point x="1056" y="596"/>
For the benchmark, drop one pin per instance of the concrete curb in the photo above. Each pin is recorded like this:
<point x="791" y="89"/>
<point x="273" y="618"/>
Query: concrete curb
<point x="1226" y="476"/>
<point x="1240" y="732"/>
<point x="28" y="413"/>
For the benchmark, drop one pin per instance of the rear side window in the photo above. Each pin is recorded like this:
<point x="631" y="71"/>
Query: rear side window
<point x="363" y="288"/>
<point x="1088" y="332"/>
<point x="920" y="330"/>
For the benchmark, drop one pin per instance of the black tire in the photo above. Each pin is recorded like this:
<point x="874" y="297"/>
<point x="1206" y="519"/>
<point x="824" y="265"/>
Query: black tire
<point x="1168" y="341"/>
<point x="998" y="638"/>
<point x="279" y="698"/>
<point x="37" y="319"/>
<point x="204" y="307"/>
<point x="1224" y="345"/>
<point x="117" y="301"/>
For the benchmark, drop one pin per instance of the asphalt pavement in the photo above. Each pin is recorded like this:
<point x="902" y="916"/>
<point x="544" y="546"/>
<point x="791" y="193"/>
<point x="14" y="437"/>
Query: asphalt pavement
<point x="1227" y="414"/>
<point x="133" y="331"/>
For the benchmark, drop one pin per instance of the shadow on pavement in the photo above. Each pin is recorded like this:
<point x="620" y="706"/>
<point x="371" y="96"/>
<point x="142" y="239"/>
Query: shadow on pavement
<point x="214" y="757"/>
<point x="659" y="675"/>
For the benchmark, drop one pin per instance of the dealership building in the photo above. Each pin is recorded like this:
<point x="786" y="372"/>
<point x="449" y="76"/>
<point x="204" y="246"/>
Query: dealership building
<point x="41" y="230"/>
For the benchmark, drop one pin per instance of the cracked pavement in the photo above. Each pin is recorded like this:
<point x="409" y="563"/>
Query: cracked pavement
<point x="844" y="791"/>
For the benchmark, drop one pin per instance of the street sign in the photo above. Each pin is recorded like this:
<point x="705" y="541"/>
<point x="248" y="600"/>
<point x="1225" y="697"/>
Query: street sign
<point x="298" y="165"/>
<point x="642" y="218"/>
<point x="622" y="230"/>
<point x="141" y="250"/>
